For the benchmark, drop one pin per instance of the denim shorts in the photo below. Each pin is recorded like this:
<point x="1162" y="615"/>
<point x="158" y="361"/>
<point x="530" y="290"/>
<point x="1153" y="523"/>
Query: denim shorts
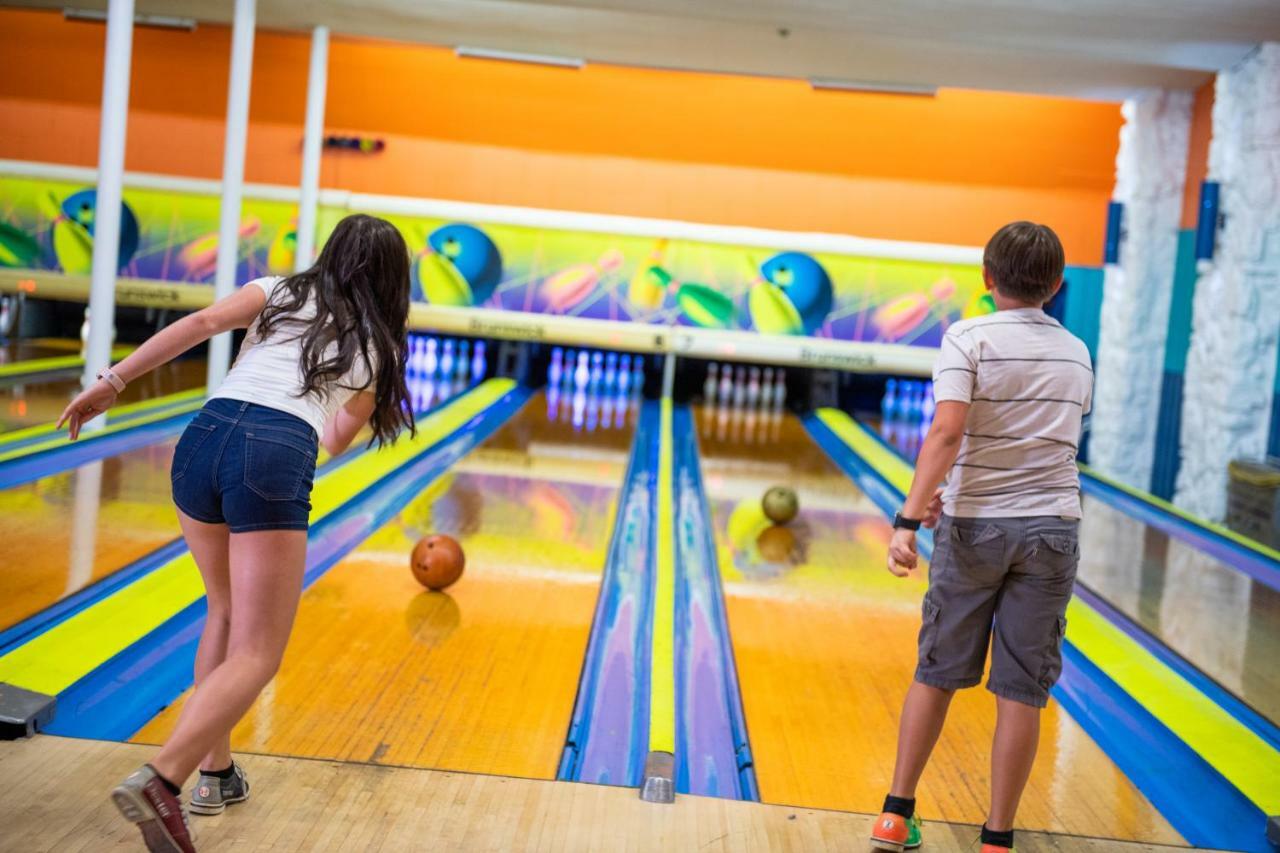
<point x="247" y="466"/>
<point x="1003" y="583"/>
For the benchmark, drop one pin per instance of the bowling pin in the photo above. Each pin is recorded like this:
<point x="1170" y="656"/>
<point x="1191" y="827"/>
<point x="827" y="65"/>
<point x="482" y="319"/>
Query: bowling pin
<point x="889" y="402"/>
<point x="556" y="369"/>
<point x="597" y="369"/>
<point x="624" y="374"/>
<point x="581" y="373"/>
<point x="780" y="390"/>
<point x="753" y="387"/>
<point x="710" y="383"/>
<point x="611" y="371"/>
<point x="726" y="385"/>
<point x="429" y="359"/>
<point x="637" y="376"/>
<point x="479" y="364"/>
<point x="929" y="406"/>
<point x="446" y="360"/>
<point x="766" y="388"/>
<point x="739" y="387"/>
<point x="579" y="407"/>
<point x="553" y="402"/>
<point x="464" y="359"/>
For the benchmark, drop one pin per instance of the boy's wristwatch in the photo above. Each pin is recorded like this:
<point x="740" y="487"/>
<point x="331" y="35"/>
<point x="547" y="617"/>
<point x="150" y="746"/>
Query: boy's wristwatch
<point x="900" y="522"/>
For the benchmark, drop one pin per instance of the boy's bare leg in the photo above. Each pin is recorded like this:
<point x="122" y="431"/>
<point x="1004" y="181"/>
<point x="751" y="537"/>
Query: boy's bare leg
<point x="1013" y="751"/>
<point x="923" y="713"/>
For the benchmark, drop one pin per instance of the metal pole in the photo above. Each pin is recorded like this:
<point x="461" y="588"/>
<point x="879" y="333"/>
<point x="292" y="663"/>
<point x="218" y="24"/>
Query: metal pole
<point x="224" y="281"/>
<point x="317" y="81"/>
<point x="106" y="226"/>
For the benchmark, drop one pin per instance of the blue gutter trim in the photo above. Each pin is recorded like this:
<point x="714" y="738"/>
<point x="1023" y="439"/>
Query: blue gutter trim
<point x="1201" y="804"/>
<point x="43" y="463"/>
<point x="1256" y="565"/>
<point x="119" y="697"/>
<point x="713" y="752"/>
<point x="1223" y="698"/>
<point x="85" y="597"/>
<point x="1206" y="809"/>
<point x="608" y="734"/>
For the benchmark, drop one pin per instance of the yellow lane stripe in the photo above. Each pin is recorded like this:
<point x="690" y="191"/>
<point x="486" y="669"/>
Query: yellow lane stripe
<point x="662" y="671"/>
<point x="56" y="659"/>
<point x="180" y="403"/>
<point x="1250" y="763"/>
<point x="1226" y="532"/>
<point x="52" y="363"/>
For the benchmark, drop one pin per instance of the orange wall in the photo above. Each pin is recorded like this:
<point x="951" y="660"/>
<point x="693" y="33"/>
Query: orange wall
<point x="702" y="147"/>
<point x="1197" y="153"/>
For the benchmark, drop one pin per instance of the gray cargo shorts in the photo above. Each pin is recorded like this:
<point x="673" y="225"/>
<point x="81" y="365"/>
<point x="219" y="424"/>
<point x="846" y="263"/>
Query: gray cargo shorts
<point x="1007" y="578"/>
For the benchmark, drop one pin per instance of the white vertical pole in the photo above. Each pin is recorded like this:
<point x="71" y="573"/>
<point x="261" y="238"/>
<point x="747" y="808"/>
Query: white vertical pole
<point x="106" y="227"/>
<point x="313" y="130"/>
<point x="224" y="281"/>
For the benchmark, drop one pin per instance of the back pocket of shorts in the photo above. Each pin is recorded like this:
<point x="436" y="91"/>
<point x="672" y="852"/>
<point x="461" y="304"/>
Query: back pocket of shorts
<point x="274" y="468"/>
<point x="192" y="438"/>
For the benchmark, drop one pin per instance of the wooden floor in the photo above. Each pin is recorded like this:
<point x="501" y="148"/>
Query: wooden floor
<point x="53" y="797"/>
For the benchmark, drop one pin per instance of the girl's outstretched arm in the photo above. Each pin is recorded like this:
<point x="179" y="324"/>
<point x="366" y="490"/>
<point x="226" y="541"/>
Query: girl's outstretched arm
<point x="236" y="311"/>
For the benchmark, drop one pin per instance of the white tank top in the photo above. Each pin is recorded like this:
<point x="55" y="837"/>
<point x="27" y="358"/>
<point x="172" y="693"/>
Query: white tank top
<point x="267" y="372"/>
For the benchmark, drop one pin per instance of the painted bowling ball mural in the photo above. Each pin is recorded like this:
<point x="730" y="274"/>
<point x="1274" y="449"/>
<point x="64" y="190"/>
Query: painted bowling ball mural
<point x="460" y="266"/>
<point x="705" y="307"/>
<point x="794" y="296"/>
<point x="17" y="247"/>
<point x="73" y="230"/>
<point x="979" y="304"/>
<point x="283" y="250"/>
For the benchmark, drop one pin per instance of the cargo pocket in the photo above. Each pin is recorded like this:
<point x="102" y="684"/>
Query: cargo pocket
<point x="1051" y="666"/>
<point x="929" y="630"/>
<point x="275" y="467"/>
<point x="193" y="437"/>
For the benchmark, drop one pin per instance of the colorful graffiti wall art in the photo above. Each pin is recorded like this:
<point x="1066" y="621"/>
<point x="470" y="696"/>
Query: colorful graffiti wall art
<point x="172" y="236"/>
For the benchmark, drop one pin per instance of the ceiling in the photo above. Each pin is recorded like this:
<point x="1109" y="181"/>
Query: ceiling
<point x="1098" y="49"/>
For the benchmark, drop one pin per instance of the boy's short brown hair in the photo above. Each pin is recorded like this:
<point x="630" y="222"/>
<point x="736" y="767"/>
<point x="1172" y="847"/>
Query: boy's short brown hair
<point x="1025" y="260"/>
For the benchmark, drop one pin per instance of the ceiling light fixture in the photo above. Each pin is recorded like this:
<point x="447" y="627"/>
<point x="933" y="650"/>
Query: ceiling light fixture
<point x="828" y="84"/>
<point x="168" y="22"/>
<point x="513" y="56"/>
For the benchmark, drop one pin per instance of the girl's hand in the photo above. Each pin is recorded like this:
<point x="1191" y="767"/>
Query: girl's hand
<point x="87" y="405"/>
<point x="902" y="552"/>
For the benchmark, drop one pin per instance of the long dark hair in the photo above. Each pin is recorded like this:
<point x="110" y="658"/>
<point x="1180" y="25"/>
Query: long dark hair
<point x="360" y="284"/>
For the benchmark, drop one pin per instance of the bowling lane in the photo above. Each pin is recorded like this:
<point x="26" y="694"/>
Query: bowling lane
<point x="69" y="529"/>
<point x="480" y="678"/>
<point x="26" y="404"/>
<point x="64" y="531"/>
<point x="1217" y="617"/>
<point x="824" y="639"/>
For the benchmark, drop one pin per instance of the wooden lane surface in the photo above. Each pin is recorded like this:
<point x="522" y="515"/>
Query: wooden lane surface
<point x="825" y="645"/>
<point x="56" y="800"/>
<point x="64" y="531"/>
<point x="22" y="405"/>
<point x="480" y="678"/>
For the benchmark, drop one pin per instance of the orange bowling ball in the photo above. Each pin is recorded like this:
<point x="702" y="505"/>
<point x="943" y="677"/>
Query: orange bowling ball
<point x="437" y="561"/>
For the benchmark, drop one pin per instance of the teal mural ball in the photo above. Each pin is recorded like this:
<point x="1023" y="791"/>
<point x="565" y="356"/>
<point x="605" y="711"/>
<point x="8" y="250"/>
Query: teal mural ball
<point x="473" y="254"/>
<point x="82" y="207"/>
<point x="804" y="285"/>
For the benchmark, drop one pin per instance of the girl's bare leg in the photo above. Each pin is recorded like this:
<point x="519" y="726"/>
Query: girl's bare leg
<point x="266" y="569"/>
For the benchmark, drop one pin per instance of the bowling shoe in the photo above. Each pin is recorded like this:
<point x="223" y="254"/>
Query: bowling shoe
<point x="213" y="794"/>
<point x="895" y="833"/>
<point x="143" y="799"/>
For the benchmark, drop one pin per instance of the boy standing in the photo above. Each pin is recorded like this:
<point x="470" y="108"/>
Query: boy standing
<point x="1012" y="389"/>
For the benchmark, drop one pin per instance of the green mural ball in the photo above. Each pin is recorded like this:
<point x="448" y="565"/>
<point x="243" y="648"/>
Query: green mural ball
<point x="772" y="313"/>
<point x="17" y="247"/>
<point x="442" y="284"/>
<point x="705" y="307"/>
